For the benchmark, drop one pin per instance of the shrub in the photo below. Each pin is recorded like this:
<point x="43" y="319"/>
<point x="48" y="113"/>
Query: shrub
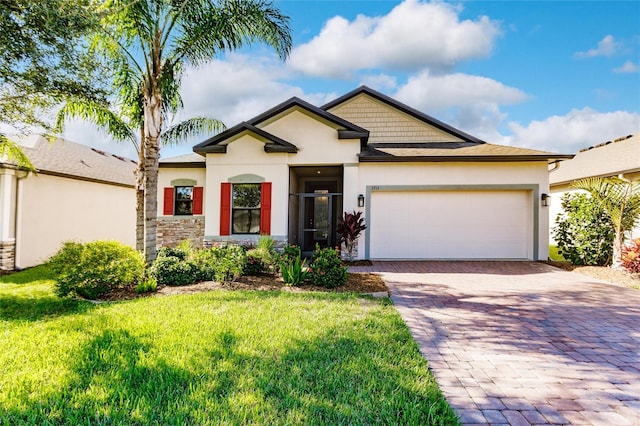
<point x="254" y="264"/>
<point x="584" y="232"/>
<point x="631" y="257"/>
<point x="177" y="252"/>
<point x="222" y="264"/>
<point x="349" y="228"/>
<point x="326" y="268"/>
<point x="294" y="270"/>
<point x="172" y="270"/>
<point x="93" y="269"/>
<point x="263" y="258"/>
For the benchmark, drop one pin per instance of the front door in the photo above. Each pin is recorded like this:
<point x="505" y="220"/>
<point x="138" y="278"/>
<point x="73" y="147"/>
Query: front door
<point x="317" y="205"/>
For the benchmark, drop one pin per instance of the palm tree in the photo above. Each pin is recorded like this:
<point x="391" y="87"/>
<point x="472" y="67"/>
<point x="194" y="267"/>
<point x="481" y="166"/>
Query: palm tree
<point x="620" y="199"/>
<point x="150" y="42"/>
<point x="121" y="129"/>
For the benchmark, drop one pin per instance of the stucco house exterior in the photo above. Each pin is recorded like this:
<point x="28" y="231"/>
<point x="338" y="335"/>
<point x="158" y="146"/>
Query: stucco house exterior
<point x="620" y="157"/>
<point x="427" y="190"/>
<point x="78" y="193"/>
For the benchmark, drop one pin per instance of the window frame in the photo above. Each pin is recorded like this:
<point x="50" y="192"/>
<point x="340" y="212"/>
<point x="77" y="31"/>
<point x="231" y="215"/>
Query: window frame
<point x="235" y="209"/>
<point x="177" y="200"/>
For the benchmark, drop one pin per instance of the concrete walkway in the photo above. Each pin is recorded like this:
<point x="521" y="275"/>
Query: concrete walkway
<point x="523" y="343"/>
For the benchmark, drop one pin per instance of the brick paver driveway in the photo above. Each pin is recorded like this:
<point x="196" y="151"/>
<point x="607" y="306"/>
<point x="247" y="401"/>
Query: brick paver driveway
<point x="521" y="342"/>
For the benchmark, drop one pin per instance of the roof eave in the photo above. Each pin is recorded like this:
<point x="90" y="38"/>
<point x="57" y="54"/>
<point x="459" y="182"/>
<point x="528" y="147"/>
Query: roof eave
<point x="453" y="158"/>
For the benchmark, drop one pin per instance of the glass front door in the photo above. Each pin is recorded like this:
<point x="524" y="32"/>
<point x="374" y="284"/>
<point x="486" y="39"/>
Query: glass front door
<point x="317" y="215"/>
<point x="317" y="223"/>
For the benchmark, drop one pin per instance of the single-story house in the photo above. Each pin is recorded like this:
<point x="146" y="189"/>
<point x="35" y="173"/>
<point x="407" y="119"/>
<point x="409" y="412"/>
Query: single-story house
<point x="78" y="193"/>
<point x="620" y="157"/>
<point x="427" y="190"/>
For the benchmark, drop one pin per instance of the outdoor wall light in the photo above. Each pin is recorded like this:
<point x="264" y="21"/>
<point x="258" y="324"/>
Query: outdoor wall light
<point x="545" y="200"/>
<point x="360" y="200"/>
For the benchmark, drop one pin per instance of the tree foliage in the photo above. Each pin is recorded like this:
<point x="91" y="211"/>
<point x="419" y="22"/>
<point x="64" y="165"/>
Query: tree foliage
<point x="620" y="199"/>
<point x="583" y="231"/>
<point x="44" y="59"/>
<point x="149" y="44"/>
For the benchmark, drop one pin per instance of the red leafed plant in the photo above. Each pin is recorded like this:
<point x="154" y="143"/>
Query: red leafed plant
<point x="631" y="256"/>
<point x="350" y="225"/>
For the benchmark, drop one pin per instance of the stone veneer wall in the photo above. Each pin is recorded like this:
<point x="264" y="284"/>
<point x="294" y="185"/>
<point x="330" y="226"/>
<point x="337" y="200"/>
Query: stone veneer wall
<point x="175" y="229"/>
<point x="249" y="241"/>
<point x="7" y="255"/>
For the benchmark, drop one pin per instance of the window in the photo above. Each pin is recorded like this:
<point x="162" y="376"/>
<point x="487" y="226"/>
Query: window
<point x="183" y="200"/>
<point x="246" y="203"/>
<point x="245" y="208"/>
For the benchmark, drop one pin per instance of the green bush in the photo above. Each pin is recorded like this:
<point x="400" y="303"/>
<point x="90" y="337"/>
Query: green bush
<point x="178" y="252"/>
<point x="172" y="270"/>
<point x="223" y="264"/>
<point x="326" y="268"/>
<point x="584" y="232"/>
<point x="93" y="269"/>
<point x="263" y="258"/>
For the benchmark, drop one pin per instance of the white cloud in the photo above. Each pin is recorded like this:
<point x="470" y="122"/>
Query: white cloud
<point x="428" y="92"/>
<point x="627" y="68"/>
<point x="576" y="130"/>
<point x="414" y="35"/>
<point x="606" y="47"/>
<point x="468" y="102"/>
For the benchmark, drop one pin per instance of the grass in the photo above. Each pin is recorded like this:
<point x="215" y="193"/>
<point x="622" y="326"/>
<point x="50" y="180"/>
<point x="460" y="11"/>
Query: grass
<point x="209" y="358"/>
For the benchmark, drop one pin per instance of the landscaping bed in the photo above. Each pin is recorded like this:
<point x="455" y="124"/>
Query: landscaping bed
<point x="604" y="273"/>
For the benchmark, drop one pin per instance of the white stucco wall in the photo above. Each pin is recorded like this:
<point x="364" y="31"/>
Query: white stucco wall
<point x="168" y="174"/>
<point x="54" y="209"/>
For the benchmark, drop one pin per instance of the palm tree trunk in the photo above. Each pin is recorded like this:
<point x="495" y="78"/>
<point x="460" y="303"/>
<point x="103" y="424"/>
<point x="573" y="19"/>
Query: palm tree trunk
<point x="617" y="250"/>
<point x="152" y="130"/>
<point x="140" y="198"/>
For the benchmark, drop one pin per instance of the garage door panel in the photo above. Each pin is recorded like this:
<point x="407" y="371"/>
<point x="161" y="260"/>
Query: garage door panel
<point x="450" y="225"/>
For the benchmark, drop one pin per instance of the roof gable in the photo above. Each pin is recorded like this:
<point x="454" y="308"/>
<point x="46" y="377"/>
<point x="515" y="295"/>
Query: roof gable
<point x="391" y="121"/>
<point x="218" y="143"/>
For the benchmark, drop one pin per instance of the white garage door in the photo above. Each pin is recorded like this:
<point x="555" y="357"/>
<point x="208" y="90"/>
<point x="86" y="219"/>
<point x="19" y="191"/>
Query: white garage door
<point x="451" y="225"/>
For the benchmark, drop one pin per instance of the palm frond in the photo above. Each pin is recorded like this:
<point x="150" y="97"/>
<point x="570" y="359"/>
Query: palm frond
<point x="211" y="28"/>
<point x="100" y="115"/>
<point x="196" y="126"/>
<point x="10" y="151"/>
<point x="619" y="198"/>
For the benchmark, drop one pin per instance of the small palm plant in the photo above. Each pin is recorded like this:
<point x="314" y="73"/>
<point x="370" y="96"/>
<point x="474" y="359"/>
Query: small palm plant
<point x="349" y="228"/>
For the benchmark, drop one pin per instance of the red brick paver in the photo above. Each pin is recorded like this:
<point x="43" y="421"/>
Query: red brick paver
<point x="522" y="342"/>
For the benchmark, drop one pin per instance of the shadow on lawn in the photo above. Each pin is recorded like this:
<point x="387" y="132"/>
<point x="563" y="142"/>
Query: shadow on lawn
<point x="27" y="308"/>
<point x="375" y="375"/>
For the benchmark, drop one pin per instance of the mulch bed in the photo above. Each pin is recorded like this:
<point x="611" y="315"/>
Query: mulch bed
<point x="604" y="273"/>
<point x="356" y="283"/>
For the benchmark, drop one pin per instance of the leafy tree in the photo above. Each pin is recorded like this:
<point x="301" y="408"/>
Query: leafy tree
<point x="620" y="199"/>
<point x="583" y="231"/>
<point x="122" y="129"/>
<point x="150" y="42"/>
<point x="43" y="60"/>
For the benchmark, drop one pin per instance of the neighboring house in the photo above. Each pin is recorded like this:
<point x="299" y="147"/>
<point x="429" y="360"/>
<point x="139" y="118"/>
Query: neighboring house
<point x="620" y="157"/>
<point x="428" y="190"/>
<point x="78" y="193"/>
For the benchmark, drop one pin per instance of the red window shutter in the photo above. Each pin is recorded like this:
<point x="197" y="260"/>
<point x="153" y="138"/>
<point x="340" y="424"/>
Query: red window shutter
<point x="225" y="209"/>
<point x="168" y="201"/>
<point x="197" y="199"/>
<point x="265" y="209"/>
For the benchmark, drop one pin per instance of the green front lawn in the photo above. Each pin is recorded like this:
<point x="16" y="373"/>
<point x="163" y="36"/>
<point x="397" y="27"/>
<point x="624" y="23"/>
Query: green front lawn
<point x="211" y="358"/>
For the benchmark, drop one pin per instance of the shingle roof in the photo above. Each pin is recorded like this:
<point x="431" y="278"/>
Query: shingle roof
<point x="70" y="159"/>
<point x="606" y="159"/>
<point x="453" y="151"/>
<point x="187" y="160"/>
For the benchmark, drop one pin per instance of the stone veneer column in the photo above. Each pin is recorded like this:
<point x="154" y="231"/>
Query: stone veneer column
<point x="175" y="229"/>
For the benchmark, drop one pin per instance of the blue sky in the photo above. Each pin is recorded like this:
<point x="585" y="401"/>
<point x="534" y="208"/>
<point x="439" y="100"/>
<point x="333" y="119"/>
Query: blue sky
<point x="549" y="75"/>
